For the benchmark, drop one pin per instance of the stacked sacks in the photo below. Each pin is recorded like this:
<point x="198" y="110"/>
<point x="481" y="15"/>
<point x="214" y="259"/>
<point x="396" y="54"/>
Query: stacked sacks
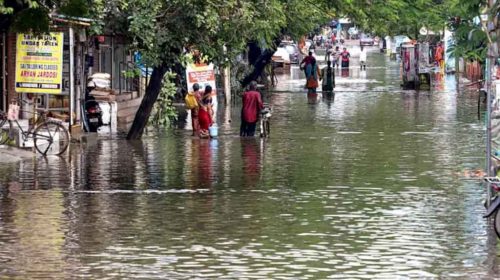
<point x="101" y="83"/>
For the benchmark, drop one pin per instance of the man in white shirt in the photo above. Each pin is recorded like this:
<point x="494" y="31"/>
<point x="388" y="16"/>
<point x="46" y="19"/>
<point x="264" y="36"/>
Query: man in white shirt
<point x="362" y="58"/>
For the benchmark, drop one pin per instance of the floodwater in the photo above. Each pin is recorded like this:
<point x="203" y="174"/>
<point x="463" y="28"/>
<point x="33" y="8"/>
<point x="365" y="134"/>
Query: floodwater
<point x="370" y="183"/>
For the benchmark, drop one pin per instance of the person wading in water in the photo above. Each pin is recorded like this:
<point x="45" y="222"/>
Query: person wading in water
<point x="345" y="55"/>
<point x="250" y="109"/>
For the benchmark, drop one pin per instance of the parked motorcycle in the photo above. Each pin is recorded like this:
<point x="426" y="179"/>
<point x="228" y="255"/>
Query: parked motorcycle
<point x="494" y="183"/>
<point x="92" y="113"/>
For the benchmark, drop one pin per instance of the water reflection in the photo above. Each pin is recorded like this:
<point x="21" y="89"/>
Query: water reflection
<point x="32" y="234"/>
<point x="251" y="156"/>
<point x="312" y="98"/>
<point x="362" y="184"/>
<point x="344" y="72"/>
<point x="206" y="162"/>
<point x="329" y="98"/>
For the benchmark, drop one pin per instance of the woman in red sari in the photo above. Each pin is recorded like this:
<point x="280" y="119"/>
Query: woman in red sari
<point x="205" y="114"/>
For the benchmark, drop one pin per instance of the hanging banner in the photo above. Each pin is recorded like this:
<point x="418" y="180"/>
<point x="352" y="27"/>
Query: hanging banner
<point x="204" y="75"/>
<point x="201" y="73"/>
<point x="39" y="63"/>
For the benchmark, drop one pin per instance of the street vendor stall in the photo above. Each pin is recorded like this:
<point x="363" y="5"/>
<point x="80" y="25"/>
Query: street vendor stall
<point x="415" y="66"/>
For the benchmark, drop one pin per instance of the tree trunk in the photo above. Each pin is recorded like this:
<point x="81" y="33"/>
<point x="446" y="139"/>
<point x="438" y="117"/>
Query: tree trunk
<point x="260" y="63"/>
<point x="149" y="99"/>
<point x="258" y="68"/>
<point x="254" y="51"/>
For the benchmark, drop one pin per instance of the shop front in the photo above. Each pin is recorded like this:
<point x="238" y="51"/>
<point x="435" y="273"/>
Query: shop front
<point x="44" y="72"/>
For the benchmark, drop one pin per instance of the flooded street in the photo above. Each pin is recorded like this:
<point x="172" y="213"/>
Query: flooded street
<point x="369" y="183"/>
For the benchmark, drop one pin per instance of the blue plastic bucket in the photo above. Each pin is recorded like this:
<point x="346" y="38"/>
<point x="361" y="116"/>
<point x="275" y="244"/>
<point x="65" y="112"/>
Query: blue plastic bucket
<point x="213" y="130"/>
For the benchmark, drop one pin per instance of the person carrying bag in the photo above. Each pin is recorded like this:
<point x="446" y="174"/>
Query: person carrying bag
<point x="192" y="103"/>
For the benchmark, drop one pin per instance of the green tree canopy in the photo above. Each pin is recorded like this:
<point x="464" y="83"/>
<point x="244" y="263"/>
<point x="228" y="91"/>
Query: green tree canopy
<point x="162" y="29"/>
<point x="34" y="15"/>
<point x="398" y="17"/>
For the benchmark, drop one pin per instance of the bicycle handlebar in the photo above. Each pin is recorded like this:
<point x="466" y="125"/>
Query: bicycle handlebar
<point x="492" y="179"/>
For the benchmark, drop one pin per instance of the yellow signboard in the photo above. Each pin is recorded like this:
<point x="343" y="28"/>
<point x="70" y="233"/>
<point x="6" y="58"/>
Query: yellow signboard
<point x="39" y="63"/>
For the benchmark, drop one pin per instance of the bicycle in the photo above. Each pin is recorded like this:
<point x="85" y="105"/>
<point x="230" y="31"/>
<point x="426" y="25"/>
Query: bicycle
<point x="49" y="135"/>
<point x="265" y="116"/>
<point x="494" y="203"/>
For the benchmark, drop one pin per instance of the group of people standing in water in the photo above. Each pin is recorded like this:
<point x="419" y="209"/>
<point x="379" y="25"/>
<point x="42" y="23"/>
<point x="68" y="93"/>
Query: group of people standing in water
<point x="326" y="75"/>
<point x="314" y="74"/>
<point x="203" y="114"/>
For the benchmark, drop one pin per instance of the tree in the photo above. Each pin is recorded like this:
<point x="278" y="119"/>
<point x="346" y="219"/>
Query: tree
<point x="34" y="15"/>
<point x="470" y="41"/>
<point x="398" y="17"/>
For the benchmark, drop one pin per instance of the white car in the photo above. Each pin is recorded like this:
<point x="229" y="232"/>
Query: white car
<point x="366" y="40"/>
<point x="283" y="54"/>
<point x="353" y="32"/>
<point x="400" y="39"/>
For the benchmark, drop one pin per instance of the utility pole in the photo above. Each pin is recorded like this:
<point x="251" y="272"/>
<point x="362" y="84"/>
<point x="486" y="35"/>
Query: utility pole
<point x="71" y="75"/>
<point x="227" y="81"/>
<point x="488" y="24"/>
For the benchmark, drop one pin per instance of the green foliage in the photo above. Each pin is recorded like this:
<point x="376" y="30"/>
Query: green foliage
<point x="220" y="29"/>
<point x="407" y="17"/>
<point x="76" y="8"/>
<point x="398" y="17"/>
<point x="239" y="70"/>
<point x="164" y="113"/>
<point x="470" y="41"/>
<point x="34" y="15"/>
<point x="4" y="9"/>
<point x="304" y="16"/>
<point x="35" y="20"/>
<point x="136" y="72"/>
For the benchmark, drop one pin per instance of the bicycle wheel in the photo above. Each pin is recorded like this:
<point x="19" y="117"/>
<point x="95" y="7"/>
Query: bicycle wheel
<point x="4" y="134"/>
<point x="267" y="128"/>
<point x="496" y="224"/>
<point x="51" y="138"/>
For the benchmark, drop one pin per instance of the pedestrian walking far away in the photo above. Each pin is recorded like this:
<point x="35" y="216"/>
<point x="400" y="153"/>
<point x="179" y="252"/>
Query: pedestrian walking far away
<point x="312" y="76"/>
<point x="306" y="61"/>
<point x="345" y="55"/>
<point x="336" y="57"/>
<point x="362" y="58"/>
<point x="439" y="56"/>
<point x="250" y="109"/>
<point x="327" y="78"/>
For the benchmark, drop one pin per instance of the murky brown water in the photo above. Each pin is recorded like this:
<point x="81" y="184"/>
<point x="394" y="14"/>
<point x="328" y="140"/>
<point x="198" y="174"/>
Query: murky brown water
<point x="366" y="184"/>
